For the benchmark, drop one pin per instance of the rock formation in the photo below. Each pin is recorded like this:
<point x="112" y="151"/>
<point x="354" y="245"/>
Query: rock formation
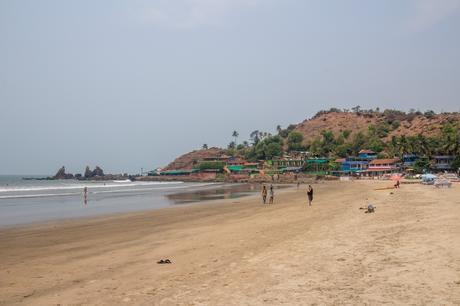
<point x="61" y="175"/>
<point x="88" y="173"/>
<point x="97" y="172"/>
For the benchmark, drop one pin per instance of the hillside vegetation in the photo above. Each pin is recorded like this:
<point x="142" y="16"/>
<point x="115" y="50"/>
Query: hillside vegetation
<point x="342" y="133"/>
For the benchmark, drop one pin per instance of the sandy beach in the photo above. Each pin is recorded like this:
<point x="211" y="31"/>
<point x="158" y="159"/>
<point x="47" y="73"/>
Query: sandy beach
<point x="240" y="252"/>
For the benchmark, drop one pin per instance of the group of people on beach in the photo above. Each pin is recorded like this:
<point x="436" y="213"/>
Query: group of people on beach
<point x="272" y="194"/>
<point x="265" y="192"/>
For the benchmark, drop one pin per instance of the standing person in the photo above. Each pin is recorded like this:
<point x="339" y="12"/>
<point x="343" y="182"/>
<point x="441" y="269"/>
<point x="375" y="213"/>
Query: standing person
<point x="310" y="194"/>
<point x="264" y="194"/>
<point x="272" y="195"/>
<point x="85" y="195"/>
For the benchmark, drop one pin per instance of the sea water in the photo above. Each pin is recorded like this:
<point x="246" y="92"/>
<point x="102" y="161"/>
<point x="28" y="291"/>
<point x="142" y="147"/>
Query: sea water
<point x="32" y="201"/>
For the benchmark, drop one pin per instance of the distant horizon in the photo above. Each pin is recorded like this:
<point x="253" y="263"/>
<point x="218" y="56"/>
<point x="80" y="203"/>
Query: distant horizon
<point x="191" y="149"/>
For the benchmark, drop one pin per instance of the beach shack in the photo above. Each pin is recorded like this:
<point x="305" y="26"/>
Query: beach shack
<point x="235" y="161"/>
<point x="319" y="165"/>
<point x="288" y="162"/>
<point x="353" y="165"/>
<point x="178" y="172"/>
<point x="409" y="160"/>
<point x="442" y="162"/>
<point x="367" y="155"/>
<point x="379" y="167"/>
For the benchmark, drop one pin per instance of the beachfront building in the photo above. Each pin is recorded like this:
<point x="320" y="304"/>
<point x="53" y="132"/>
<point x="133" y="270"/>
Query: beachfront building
<point x="180" y="172"/>
<point x="217" y="158"/>
<point x="235" y="161"/>
<point x="442" y="162"/>
<point x="298" y="154"/>
<point x="409" y="160"/>
<point x="379" y="167"/>
<point x="367" y="155"/>
<point x="288" y="163"/>
<point x="317" y="165"/>
<point x="352" y="165"/>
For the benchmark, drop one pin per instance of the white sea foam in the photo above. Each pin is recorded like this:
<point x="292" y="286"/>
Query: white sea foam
<point x="41" y="195"/>
<point x="150" y="189"/>
<point x="90" y="185"/>
<point x="90" y="190"/>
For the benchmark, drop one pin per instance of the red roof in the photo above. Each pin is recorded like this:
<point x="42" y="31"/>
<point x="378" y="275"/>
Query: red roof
<point x="340" y="160"/>
<point x="384" y="161"/>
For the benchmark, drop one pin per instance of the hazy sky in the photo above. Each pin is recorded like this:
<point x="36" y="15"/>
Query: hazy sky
<point x="131" y="84"/>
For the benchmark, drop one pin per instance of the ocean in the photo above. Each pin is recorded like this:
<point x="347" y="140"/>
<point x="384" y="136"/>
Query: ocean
<point x="33" y="201"/>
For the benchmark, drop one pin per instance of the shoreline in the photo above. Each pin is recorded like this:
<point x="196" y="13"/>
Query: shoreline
<point x="124" y="199"/>
<point x="235" y="250"/>
<point x="116" y="215"/>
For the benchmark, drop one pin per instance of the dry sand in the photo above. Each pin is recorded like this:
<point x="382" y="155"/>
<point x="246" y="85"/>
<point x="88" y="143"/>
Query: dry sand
<point x="242" y="253"/>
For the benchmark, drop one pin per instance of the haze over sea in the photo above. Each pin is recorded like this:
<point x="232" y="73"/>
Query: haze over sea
<point x="31" y="201"/>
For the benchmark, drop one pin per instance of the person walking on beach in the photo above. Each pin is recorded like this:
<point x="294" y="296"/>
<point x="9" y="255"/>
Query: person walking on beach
<point x="272" y="195"/>
<point x="310" y="194"/>
<point x="264" y="194"/>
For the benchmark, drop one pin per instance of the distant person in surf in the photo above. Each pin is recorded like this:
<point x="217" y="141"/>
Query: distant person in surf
<point x="264" y="194"/>
<point x="310" y="194"/>
<point x="85" y="195"/>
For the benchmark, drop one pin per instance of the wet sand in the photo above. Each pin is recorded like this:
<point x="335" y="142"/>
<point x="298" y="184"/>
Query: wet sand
<point x="243" y="253"/>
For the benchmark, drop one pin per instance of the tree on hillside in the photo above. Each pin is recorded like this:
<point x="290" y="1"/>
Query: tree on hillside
<point x="456" y="163"/>
<point x="205" y="146"/>
<point x="235" y="134"/>
<point x="451" y="139"/>
<point x="279" y="129"/>
<point x="421" y="165"/>
<point x="294" y="141"/>
<point x="285" y="132"/>
<point x="267" y="148"/>
<point x="255" y="137"/>
<point x="358" y="142"/>
<point x="346" y="134"/>
<point x="328" y="143"/>
<point x="429" y="114"/>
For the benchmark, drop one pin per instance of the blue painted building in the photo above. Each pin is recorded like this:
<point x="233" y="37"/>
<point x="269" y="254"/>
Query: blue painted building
<point x="443" y="162"/>
<point x="409" y="160"/>
<point x="353" y="165"/>
<point x="367" y="155"/>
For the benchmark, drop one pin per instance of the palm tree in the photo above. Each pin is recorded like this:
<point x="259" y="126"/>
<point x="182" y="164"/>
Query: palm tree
<point x="255" y="136"/>
<point x="235" y="134"/>
<point x="279" y="129"/>
<point x="450" y="139"/>
<point x="425" y="149"/>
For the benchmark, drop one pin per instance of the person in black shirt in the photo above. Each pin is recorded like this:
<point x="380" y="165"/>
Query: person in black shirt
<point x="310" y="194"/>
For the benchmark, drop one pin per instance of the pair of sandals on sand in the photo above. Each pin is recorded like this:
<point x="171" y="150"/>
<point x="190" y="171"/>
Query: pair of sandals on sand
<point x="164" y="261"/>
